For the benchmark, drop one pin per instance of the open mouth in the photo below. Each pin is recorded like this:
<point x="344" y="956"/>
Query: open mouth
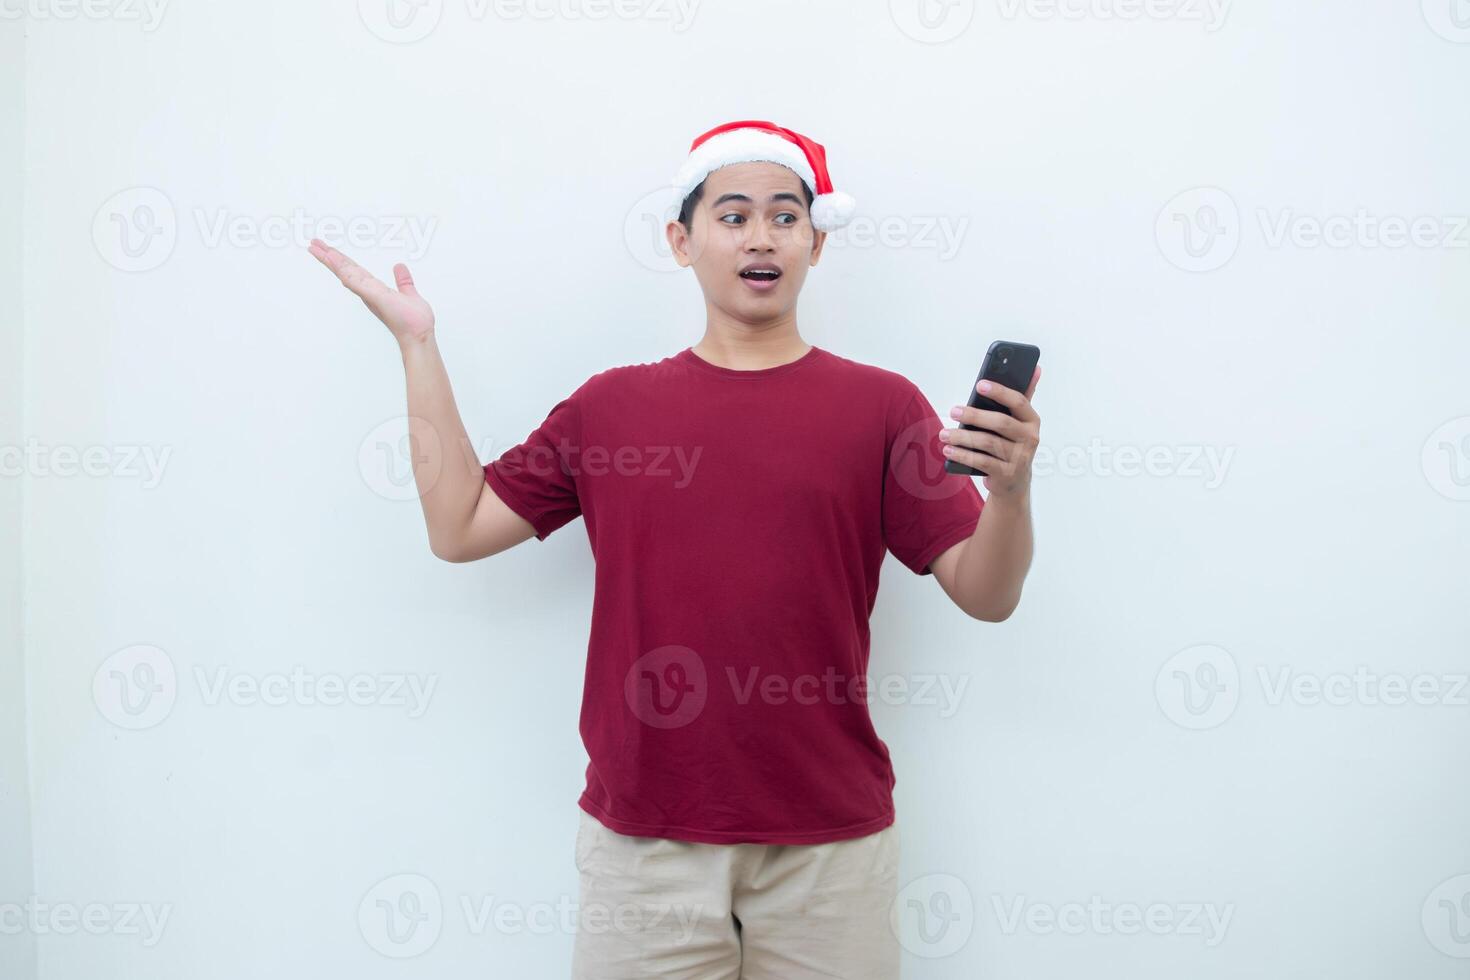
<point x="761" y="277"/>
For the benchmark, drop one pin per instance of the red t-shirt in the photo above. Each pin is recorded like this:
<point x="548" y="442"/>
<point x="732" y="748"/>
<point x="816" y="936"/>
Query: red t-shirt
<point x="738" y="521"/>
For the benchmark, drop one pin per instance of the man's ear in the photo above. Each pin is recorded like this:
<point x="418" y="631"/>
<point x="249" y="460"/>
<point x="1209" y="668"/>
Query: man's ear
<point x="678" y="237"/>
<point x="818" y="240"/>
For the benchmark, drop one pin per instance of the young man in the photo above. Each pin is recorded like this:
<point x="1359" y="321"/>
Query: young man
<point x="739" y="497"/>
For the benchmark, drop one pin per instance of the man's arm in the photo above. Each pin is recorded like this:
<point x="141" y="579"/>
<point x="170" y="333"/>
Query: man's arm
<point x="984" y="573"/>
<point x="466" y="519"/>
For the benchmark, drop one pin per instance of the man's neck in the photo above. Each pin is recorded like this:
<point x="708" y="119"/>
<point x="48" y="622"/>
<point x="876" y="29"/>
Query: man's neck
<point x="743" y="347"/>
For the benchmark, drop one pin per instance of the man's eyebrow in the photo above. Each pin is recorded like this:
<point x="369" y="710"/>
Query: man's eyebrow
<point x="781" y="196"/>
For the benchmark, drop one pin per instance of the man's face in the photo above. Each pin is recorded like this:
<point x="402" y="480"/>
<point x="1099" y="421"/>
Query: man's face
<point x="752" y="217"/>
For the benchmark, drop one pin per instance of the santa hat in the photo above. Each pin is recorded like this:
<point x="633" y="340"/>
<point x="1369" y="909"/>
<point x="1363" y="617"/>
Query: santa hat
<point x="755" y="140"/>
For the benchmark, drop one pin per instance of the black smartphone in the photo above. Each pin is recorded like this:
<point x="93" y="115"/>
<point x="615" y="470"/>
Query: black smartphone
<point x="1007" y="363"/>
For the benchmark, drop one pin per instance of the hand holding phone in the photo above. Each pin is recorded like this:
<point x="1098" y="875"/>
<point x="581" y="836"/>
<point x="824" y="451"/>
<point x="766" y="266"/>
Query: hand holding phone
<point x="1006" y="363"/>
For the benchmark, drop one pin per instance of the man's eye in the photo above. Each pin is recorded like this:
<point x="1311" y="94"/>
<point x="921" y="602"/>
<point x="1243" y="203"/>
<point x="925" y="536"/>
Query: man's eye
<point x="732" y="214"/>
<point x="788" y="214"/>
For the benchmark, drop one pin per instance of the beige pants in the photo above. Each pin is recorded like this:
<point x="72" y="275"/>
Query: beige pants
<point x="657" y="909"/>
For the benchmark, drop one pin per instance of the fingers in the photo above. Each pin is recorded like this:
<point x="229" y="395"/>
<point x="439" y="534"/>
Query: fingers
<point x="973" y="459"/>
<point x="404" y="280"/>
<point x="1035" y="377"/>
<point x="1009" y="397"/>
<point x="351" y="275"/>
<point x="986" y="418"/>
<point x="329" y="256"/>
<point x="984" y="441"/>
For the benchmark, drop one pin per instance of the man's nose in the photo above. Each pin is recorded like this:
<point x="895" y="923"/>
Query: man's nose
<point x="760" y="237"/>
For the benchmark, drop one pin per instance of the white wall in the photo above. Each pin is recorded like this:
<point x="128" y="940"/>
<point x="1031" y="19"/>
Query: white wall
<point x="17" y="947"/>
<point x="1028" y="171"/>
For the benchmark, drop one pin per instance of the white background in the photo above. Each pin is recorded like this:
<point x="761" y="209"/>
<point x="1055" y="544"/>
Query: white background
<point x="1114" y="179"/>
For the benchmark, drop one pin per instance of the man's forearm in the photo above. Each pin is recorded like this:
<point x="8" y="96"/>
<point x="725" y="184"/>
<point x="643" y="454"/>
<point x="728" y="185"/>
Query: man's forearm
<point x="445" y="466"/>
<point x="994" y="561"/>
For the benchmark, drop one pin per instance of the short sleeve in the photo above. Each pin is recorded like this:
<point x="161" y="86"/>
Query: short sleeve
<point x="926" y="510"/>
<point x="535" y="478"/>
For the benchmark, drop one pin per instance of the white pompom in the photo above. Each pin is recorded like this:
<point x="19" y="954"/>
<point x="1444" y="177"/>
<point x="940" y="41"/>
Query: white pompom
<point x="832" y="210"/>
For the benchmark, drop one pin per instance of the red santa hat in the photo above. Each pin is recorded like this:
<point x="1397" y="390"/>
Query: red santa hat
<point x="755" y="140"/>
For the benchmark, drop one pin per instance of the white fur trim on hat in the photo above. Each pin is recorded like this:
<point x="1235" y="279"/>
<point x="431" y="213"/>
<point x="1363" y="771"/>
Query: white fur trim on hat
<point x="829" y="211"/>
<point x="741" y="146"/>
